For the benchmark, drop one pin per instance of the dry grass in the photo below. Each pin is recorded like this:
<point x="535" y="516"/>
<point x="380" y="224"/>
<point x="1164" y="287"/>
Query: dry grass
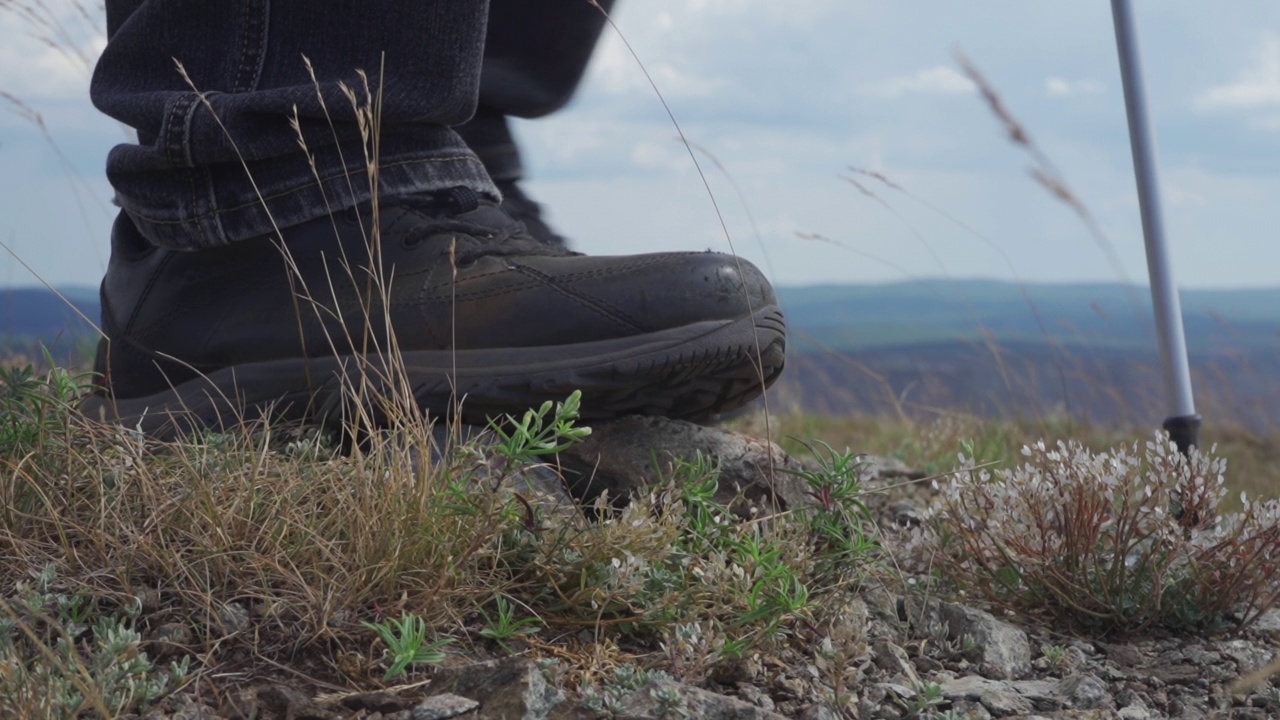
<point x="265" y="548"/>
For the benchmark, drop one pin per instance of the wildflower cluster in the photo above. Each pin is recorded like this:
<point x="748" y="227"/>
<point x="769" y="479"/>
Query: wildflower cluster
<point x="1114" y="541"/>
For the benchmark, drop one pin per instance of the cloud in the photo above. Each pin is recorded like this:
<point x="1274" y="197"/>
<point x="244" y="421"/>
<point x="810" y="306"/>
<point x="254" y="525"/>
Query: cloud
<point x="938" y="80"/>
<point x="1060" y="88"/>
<point x="620" y="74"/>
<point x="1257" y="87"/>
<point x="51" y="60"/>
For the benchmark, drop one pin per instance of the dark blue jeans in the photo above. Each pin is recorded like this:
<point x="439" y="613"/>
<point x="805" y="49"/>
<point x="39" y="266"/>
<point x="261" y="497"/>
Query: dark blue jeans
<point x="219" y="157"/>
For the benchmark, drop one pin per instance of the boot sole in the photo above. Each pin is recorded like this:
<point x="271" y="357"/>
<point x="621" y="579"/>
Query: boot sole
<point x="691" y="372"/>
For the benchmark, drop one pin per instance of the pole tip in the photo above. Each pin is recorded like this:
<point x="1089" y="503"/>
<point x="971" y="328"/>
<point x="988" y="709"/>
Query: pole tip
<point x="1184" y="431"/>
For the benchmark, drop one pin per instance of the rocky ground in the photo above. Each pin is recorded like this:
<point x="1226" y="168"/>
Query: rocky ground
<point x="918" y="657"/>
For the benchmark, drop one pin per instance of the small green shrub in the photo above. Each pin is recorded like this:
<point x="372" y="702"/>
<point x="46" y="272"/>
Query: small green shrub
<point x="34" y="405"/>
<point x="1115" y="542"/>
<point x="60" y="657"/>
<point x="504" y="626"/>
<point x="406" y="641"/>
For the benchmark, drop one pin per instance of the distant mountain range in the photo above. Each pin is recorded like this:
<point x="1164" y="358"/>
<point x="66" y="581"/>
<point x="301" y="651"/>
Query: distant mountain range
<point x="991" y="347"/>
<point x="859" y="317"/>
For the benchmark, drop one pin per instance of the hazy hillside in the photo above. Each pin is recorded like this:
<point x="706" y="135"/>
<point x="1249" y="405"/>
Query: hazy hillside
<point x="867" y="316"/>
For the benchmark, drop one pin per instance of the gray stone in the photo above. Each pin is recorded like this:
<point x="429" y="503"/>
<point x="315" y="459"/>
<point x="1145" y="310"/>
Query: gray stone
<point x="1268" y="622"/>
<point x="1043" y="694"/>
<point x="848" y="625"/>
<point x="625" y="456"/>
<point x="1121" y="654"/>
<point x="381" y="702"/>
<point x="900" y="691"/>
<point x="1084" y="692"/>
<point x="875" y="467"/>
<point x="924" y="617"/>
<point x="284" y="700"/>
<point x="1004" y="648"/>
<point x="892" y="659"/>
<point x="1248" y="657"/>
<point x="649" y="701"/>
<point x="506" y="689"/>
<point x="440" y="707"/>
<point x="1000" y="698"/>
<point x="186" y="708"/>
<point x="233" y="617"/>
<point x="1178" y="674"/>
<point x="819" y="711"/>
<point x="1135" y="712"/>
<point x="971" y="710"/>
<point x="905" y="514"/>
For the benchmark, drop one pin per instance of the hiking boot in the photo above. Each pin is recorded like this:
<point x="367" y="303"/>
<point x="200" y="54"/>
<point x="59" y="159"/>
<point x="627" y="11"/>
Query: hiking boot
<point x="528" y="211"/>
<point x="473" y="312"/>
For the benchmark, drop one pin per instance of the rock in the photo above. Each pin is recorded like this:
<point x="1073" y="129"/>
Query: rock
<point x="624" y="456"/>
<point x="279" y="698"/>
<point x="1135" y="712"/>
<point x="970" y="710"/>
<point x="893" y="660"/>
<point x="1125" y="655"/>
<point x="1000" y="698"/>
<point x="755" y="696"/>
<point x="440" y="707"/>
<point x="241" y="705"/>
<point x="185" y="708"/>
<point x="923" y="617"/>
<point x="288" y="702"/>
<point x="1268" y="622"/>
<point x="848" y="624"/>
<point x="381" y="702"/>
<point x="1084" y="692"/>
<point x="667" y="699"/>
<point x="875" y="467"/>
<point x="1043" y="694"/>
<point x="1248" y="656"/>
<point x="819" y="711"/>
<point x="233" y="617"/>
<point x="905" y="514"/>
<point x="1005" y="649"/>
<point x="507" y="689"/>
<point x="1178" y="674"/>
<point x="170" y="639"/>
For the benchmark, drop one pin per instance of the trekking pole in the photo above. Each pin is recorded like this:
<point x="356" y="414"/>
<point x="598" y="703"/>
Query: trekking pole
<point x="1183" y="425"/>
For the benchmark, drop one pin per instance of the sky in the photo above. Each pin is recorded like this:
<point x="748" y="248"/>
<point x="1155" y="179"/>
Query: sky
<point x="782" y="100"/>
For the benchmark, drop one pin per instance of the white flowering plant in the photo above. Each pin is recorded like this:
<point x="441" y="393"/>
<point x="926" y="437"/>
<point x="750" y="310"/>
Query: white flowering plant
<point x="1115" y="542"/>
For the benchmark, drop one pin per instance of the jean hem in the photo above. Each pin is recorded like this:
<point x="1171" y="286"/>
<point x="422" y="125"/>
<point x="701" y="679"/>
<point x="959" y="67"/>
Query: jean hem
<point x="242" y="215"/>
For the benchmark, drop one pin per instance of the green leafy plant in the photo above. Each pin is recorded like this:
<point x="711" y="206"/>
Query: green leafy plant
<point x="607" y="702"/>
<point x="836" y="483"/>
<point x="535" y="435"/>
<point x="406" y="640"/>
<point x="60" y="657"/>
<point x="840" y="523"/>
<point x="34" y="405"/>
<point x="504" y="626"/>
<point x="928" y="695"/>
<point x="1055" y="657"/>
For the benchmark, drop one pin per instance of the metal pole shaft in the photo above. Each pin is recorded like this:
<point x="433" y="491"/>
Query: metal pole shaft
<point x="1183" y="425"/>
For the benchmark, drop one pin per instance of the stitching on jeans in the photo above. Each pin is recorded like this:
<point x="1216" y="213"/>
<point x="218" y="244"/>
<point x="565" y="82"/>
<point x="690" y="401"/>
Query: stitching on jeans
<point x="252" y="46"/>
<point x="294" y="191"/>
<point x="172" y="121"/>
<point x="195" y="169"/>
